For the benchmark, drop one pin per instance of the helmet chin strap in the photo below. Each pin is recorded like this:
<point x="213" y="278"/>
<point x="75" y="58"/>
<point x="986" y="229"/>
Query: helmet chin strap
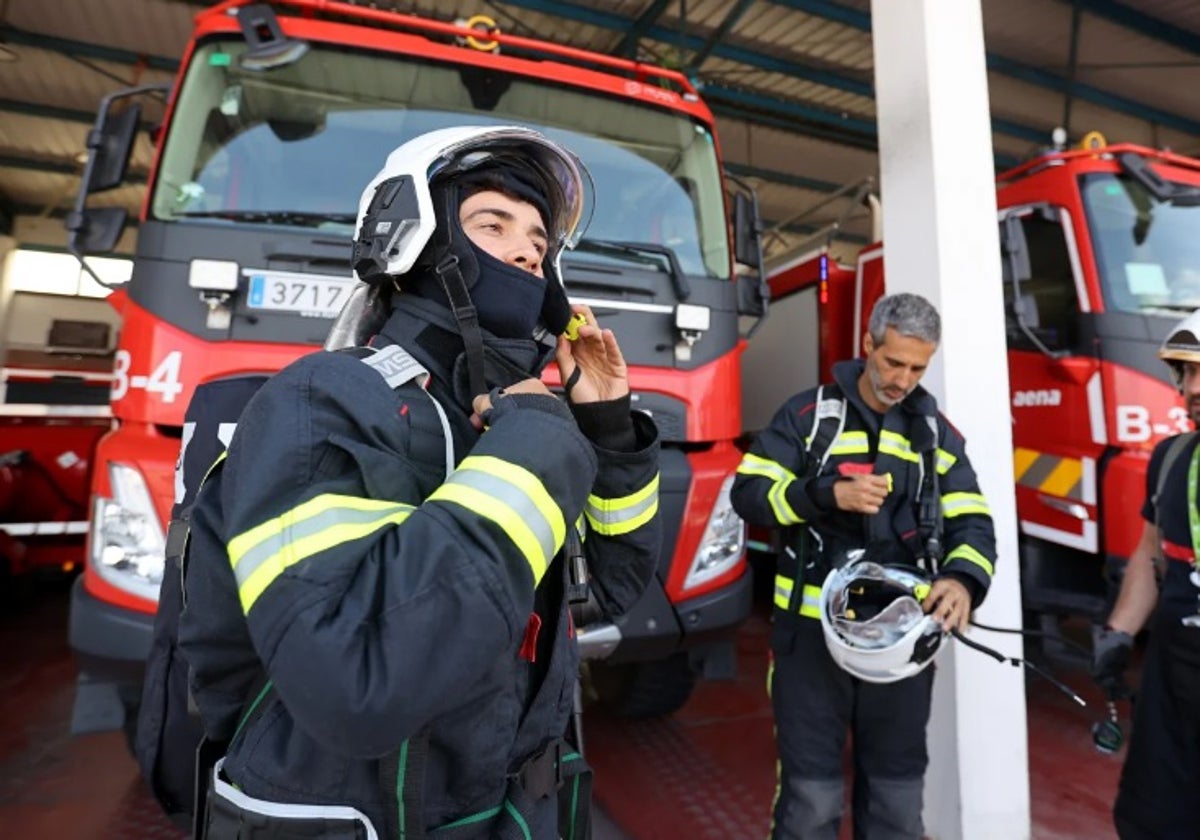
<point x="449" y="273"/>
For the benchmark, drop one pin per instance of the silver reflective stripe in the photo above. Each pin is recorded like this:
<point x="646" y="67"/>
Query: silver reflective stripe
<point x="396" y="366"/>
<point x="514" y="497"/>
<point x="611" y="518"/>
<point x="256" y="555"/>
<point x="286" y="810"/>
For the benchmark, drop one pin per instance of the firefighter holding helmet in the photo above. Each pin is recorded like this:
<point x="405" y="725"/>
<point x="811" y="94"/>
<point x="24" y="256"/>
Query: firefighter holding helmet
<point x="888" y="544"/>
<point x="1157" y="794"/>
<point x="377" y="616"/>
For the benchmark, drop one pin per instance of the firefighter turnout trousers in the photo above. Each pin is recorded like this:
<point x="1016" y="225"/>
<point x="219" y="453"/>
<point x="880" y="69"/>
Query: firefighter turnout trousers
<point x="816" y="703"/>
<point x="1157" y="797"/>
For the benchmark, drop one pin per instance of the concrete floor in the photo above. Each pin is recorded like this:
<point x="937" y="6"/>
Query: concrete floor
<point x="706" y="772"/>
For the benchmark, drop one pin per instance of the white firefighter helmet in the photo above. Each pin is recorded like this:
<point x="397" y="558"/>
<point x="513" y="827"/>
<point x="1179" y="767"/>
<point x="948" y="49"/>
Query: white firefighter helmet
<point x="447" y="151"/>
<point x="1182" y="344"/>
<point x="874" y="626"/>
<point x="397" y="217"/>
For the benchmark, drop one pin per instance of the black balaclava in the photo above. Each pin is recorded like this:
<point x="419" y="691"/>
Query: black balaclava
<point x="508" y="299"/>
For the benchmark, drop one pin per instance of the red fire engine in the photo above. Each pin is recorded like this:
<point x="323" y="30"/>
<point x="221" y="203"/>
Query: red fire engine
<point x="55" y="366"/>
<point x="1100" y="259"/>
<point x="280" y="114"/>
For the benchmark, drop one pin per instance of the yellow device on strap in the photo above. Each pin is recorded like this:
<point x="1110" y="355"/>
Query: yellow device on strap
<point x="572" y="331"/>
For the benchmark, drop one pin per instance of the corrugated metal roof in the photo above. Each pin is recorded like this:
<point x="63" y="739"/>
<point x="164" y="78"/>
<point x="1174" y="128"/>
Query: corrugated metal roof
<point x="787" y="79"/>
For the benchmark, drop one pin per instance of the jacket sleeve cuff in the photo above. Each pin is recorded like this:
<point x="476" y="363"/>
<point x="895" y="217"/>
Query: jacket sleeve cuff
<point x="608" y="424"/>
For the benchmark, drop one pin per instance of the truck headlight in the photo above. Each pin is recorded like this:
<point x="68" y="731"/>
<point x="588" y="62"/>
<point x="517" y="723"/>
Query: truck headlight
<point x="127" y="545"/>
<point x="723" y="543"/>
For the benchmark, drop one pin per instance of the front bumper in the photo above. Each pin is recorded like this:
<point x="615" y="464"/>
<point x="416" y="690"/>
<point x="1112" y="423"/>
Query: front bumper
<point x="655" y="628"/>
<point x="111" y="645"/>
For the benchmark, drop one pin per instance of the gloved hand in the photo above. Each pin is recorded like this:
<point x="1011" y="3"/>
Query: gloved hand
<point x="524" y="395"/>
<point x="1111" y="650"/>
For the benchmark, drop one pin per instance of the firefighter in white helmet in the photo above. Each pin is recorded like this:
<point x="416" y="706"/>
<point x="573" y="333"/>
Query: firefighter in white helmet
<point x="381" y="570"/>
<point x="1157" y="796"/>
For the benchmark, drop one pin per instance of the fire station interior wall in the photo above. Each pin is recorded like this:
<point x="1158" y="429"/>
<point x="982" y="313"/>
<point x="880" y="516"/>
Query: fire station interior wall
<point x="781" y="359"/>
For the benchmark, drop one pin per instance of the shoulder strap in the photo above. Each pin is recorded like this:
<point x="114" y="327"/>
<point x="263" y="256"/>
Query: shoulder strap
<point x="1174" y="451"/>
<point x="929" y="518"/>
<point x="828" y="421"/>
<point x="397" y="367"/>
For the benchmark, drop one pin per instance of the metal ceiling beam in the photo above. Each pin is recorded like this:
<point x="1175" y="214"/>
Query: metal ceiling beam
<point x="53" y="112"/>
<point x="629" y="44"/>
<point x="1142" y="23"/>
<point x="808" y="120"/>
<point x="1015" y="69"/>
<point x="731" y="18"/>
<point x="82" y="49"/>
<point x="799" y="181"/>
<point x="58" y="166"/>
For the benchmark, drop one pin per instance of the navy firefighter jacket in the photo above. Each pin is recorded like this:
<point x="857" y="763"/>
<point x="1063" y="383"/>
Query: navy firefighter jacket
<point x="781" y="483"/>
<point x="411" y="628"/>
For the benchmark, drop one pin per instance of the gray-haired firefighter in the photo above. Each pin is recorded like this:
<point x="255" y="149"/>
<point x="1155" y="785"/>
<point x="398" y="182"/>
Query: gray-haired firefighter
<point x="381" y="570"/>
<point x="1157" y="796"/>
<point x="864" y="462"/>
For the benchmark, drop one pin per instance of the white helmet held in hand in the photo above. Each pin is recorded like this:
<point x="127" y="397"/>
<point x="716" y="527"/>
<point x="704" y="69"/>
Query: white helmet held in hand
<point x="873" y="622"/>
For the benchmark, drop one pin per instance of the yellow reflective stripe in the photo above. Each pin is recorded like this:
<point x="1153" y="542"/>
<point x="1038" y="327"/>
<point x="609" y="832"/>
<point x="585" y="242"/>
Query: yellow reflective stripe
<point x="246" y="542"/>
<point x="945" y="461"/>
<point x="261" y="555"/>
<point x="777" y="496"/>
<point x="783" y="591"/>
<point x="961" y="504"/>
<point x="810" y="603"/>
<point x="514" y="499"/>
<point x="754" y="465"/>
<point x="810" y="596"/>
<point x="850" y="443"/>
<point x="581" y="527"/>
<point x="613" y="517"/>
<point x="781" y="478"/>
<point x="897" y="446"/>
<point x="508" y="519"/>
<point x="966" y="552"/>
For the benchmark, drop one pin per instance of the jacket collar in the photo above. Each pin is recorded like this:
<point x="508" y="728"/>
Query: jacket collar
<point x="427" y="330"/>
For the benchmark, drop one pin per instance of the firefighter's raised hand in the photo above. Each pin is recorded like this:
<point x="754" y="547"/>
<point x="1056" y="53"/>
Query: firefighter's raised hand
<point x="949" y="603"/>
<point x="861" y="493"/>
<point x="591" y="366"/>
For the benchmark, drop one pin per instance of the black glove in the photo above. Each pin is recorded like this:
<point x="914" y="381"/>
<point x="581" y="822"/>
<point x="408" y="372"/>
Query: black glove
<point x="503" y="403"/>
<point x="1111" y="650"/>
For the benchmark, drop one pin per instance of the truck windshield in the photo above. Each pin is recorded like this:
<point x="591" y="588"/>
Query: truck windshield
<point x="295" y="146"/>
<point x="1147" y="250"/>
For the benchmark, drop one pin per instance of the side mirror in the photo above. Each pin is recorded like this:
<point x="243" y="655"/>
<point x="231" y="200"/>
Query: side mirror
<point x="1014" y="252"/>
<point x="111" y="146"/>
<point x="1026" y="309"/>
<point x="745" y="230"/>
<point x="95" y="230"/>
<point x="753" y="296"/>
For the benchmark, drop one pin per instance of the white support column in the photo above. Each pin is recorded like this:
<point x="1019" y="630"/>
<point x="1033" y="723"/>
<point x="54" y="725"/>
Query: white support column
<point x="939" y="225"/>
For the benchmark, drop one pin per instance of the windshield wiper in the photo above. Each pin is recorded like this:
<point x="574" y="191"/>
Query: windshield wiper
<point x="271" y="217"/>
<point x="645" y="253"/>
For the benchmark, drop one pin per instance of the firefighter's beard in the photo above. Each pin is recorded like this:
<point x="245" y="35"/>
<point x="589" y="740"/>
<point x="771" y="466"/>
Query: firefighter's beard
<point x="1193" y="407"/>
<point x="889" y="395"/>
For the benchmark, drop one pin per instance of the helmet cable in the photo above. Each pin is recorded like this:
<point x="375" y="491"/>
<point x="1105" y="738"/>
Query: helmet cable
<point x="1016" y="661"/>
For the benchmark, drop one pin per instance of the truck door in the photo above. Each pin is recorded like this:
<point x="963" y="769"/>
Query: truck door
<point x="1054" y="382"/>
